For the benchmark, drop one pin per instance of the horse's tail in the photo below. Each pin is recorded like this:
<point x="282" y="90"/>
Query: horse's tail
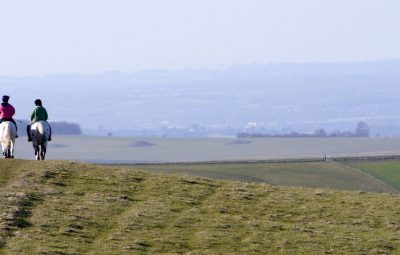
<point x="40" y="128"/>
<point x="4" y="132"/>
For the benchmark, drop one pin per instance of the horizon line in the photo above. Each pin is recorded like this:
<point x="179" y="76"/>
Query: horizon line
<point x="216" y="67"/>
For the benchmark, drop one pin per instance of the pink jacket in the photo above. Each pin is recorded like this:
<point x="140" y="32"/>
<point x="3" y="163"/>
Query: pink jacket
<point x="6" y="111"/>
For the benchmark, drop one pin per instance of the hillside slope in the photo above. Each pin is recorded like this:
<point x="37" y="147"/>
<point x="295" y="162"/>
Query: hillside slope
<point x="59" y="207"/>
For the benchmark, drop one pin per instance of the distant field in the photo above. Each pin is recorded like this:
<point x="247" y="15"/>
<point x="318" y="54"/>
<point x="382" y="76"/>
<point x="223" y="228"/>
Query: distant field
<point x="129" y="149"/>
<point x="63" y="207"/>
<point x="307" y="174"/>
<point x="387" y="171"/>
<point x="138" y="150"/>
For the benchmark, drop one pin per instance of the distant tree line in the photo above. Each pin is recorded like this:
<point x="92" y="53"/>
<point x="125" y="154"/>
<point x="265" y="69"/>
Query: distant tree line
<point x="362" y="130"/>
<point x="57" y="127"/>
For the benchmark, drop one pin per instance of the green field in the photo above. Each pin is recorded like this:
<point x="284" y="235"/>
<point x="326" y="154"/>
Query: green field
<point x="62" y="207"/>
<point x="306" y="174"/>
<point x="387" y="171"/>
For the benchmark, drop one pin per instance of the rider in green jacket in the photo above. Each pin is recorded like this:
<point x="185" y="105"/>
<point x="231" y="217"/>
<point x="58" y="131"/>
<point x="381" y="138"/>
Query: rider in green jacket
<point x="39" y="113"/>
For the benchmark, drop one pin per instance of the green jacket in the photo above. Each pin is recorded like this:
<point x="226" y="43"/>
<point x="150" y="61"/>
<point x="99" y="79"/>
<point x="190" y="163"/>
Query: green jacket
<point x="39" y="113"/>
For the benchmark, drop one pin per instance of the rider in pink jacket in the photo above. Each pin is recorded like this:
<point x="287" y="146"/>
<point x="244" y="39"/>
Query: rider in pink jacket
<point x="7" y="111"/>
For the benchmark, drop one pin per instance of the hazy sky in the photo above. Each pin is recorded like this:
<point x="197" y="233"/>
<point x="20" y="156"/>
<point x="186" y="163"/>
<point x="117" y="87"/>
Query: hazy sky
<point x="89" y="36"/>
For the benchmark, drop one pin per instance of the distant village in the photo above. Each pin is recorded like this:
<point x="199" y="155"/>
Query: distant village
<point x="362" y="130"/>
<point x="250" y="130"/>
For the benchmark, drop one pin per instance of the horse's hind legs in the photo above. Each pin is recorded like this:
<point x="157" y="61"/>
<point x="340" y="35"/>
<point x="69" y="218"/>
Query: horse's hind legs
<point x="3" y="148"/>
<point x="37" y="156"/>
<point x="7" y="154"/>
<point x="12" y="150"/>
<point x="42" y="152"/>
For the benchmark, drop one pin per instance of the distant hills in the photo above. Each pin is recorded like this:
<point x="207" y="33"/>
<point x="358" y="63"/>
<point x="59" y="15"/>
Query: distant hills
<point x="267" y="98"/>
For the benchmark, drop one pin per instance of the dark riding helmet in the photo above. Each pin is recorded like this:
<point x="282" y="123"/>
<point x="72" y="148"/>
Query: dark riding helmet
<point x="38" y="102"/>
<point x="6" y="98"/>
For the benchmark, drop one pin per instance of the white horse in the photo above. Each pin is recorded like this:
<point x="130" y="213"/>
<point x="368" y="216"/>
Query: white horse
<point x="8" y="131"/>
<point x="40" y="132"/>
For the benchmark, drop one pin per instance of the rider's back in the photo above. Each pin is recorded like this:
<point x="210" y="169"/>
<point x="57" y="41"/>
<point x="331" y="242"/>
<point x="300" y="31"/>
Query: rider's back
<point x="39" y="113"/>
<point x="6" y="111"/>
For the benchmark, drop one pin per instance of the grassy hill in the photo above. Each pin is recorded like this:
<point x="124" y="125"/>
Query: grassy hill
<point x="60" y="207"/>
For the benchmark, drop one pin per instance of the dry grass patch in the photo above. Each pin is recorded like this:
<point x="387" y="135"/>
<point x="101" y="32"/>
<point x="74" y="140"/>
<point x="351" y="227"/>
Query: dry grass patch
<point x="71" y="208"/>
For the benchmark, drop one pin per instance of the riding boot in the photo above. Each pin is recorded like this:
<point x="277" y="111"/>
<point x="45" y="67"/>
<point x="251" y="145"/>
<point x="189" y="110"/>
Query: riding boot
<point x="16" y="127"/>
<point x="50" y="134"/>
<point x="28" y="129"/>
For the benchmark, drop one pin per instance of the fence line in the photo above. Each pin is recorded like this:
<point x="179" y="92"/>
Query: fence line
<point x="374" y="178"/>
<point x="212" y="162"/>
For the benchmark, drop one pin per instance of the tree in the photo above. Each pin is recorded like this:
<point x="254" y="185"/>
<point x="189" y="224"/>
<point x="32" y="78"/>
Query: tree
<point x="362" y="129"/>
<point x="320" y="133"/>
